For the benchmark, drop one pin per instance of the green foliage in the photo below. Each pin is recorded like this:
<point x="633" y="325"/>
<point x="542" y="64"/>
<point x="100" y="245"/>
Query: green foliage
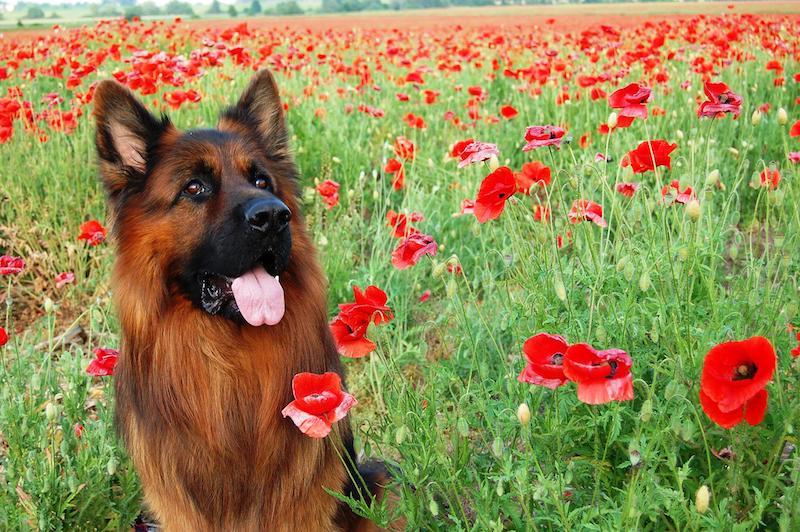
<point x="214" y="8"/>
<point x="176" y="7"/>
<point x="34" y="12"/>
<point x="290" y="7"/>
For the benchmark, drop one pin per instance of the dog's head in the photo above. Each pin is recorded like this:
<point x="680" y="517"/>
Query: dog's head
<point x="210" y="208"/>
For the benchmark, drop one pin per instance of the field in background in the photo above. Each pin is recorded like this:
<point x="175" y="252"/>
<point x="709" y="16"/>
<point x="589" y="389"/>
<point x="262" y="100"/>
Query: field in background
<point x="439" y="398"/>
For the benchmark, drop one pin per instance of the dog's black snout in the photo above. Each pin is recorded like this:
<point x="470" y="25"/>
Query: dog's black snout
<point x="267" y="215"/>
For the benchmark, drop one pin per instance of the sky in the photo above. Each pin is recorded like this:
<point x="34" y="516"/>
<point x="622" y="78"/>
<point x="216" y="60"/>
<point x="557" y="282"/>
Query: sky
<point x="8" y="5"/>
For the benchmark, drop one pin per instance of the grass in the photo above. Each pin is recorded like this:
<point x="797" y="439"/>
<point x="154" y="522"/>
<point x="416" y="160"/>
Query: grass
<point x="439" y="396"/>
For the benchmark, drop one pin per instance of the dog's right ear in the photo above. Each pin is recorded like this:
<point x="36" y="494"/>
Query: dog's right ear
<point x="126" y="136"/>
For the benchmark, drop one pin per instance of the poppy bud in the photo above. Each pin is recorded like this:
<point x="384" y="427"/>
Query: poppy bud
<point x="683" y="253"/>
<point x="451" y="289"/>
<point x="647" y="411"/>
<point x="49" y="306"/>
<point x="733" y="252"/>
<point x="756" y="118"/>
<point x="431" y="164"/>
<point x="323" y="241"/>
<point x="561" y="291"/>
<point x="693" y="210"/>
<point x="494" y="163"/>
<point x="439" y="268"/>
<point x="500" y="489"/>
<point x="58" y="437"/>
<point x="111" y="467"/>
<point x="523" y="414"/>
<point x="50" y="411"/>
<point x="433" y="506"/>
<point x="336" y="160"/>
<point x="679" y="134"/>
<point x="734" y="152"/>
<point x="701" y="499"/>
<point x="621" y="263"/>
<point x="309" y="194"/>
<point x="783" y="117"/>
<point x="400" y="435"/>
<point x="712" y="179"/>
<point x="629" y="272"/>
<point x="497" y="447"/>
<point x="644" y="282"/>
<point x="612" y="120"/>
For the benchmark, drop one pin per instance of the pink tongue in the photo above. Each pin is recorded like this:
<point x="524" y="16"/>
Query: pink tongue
<point x="259" y="297"/>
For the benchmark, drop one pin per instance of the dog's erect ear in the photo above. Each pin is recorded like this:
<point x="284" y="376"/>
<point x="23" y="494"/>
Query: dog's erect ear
<point x="126" y="133"/>
<point x="260" y="109"/>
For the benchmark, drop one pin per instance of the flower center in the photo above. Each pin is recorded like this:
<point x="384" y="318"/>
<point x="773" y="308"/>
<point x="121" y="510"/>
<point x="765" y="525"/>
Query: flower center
<point x="501" y="195"/>
<point x="557" y="359"/>
<point x="745" y="371"/>
<point x="723" y="98"/>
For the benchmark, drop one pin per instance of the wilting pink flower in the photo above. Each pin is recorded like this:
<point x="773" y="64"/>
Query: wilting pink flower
<point x="64" y="278"/>
<point x="538" y="136"/>
<point x="411" y="249"/>
<point x="11" y="265"/>
<point x="476" y="152"/>
<point x="586" y="210"/>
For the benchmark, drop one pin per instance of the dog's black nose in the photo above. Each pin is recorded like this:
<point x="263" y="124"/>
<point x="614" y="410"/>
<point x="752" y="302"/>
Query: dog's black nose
<point x="267" y="215"/>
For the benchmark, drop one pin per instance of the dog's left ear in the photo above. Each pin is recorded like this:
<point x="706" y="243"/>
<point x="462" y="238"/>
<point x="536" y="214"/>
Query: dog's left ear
<point x="260" y="109"/>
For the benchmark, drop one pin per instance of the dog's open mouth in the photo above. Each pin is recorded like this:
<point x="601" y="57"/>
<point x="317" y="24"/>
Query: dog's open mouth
<point x="256" y="295"/>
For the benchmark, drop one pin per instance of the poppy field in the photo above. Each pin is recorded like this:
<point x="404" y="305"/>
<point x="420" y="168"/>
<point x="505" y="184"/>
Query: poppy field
<point x="563" y="262"/>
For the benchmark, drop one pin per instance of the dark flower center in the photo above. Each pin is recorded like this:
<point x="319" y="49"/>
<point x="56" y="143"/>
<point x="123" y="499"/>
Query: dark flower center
<point x="557" y="359"/>
<point x="613" y="364"/>
<point x="745" y="371"/>
<point x="501" y="195"/>
<point x="723" y="98"/>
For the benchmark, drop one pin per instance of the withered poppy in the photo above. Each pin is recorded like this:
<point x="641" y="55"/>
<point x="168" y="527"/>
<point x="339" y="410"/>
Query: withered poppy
<point x="545" y="355"/>
<point x="476" y="152"/>
<point x="411" y="249"/>
<point x="495" y="190"/>
<point x="64" y="278"/>
<point x="770" y="177"/>
<point x="319" y="401"/>
<point x="672" y="193"/>
<point x="627" y="189"/>
<point x="399" y="223"/>
<point x="601" y="376"/>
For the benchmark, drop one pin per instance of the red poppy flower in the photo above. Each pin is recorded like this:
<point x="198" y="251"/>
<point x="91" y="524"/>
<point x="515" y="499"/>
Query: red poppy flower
<point x="794" y="156"/>
<point x="329" y="190"/>
<point x="495" y="190"/>
<point x="751" y="411"/>
<point x="533" y="173"/>
<point x="319" y="401"/>
<point x="770" y="177"/>
<point x="641" y="159"/>
<point x="631" y="99"/>
<point x="627" y="189"/>
<point x="796" y="351"/>
<point x="545" y="355"/>
<point x="537" y="136"/>
<point x="720" y="100"/>
<point x="404" y="148"/>
<point x="672" y="193"/>
<point x="11" y="265"/>
<point x="399" y="223"/>
<point x="426" y="295"/>
<point x="508" y="112"/>
<point x="411" y="249"/>
<point x="64" y="278"/>
<point x="734" y="374"/>
<point x="601" y="376"/>
<point x="396" y="168"/>
<point x="104" y="362"/>
<point x="92" y="232"/>
<point x="476" y="152"/>
<point x="349" y="328"/>
<point x="794" y="131"/>
<point x="586" y="210"/>
<point x="3" y="337"/>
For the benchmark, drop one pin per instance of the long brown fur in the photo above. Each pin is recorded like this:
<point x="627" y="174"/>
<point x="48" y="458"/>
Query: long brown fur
<point x="198" y="397"/>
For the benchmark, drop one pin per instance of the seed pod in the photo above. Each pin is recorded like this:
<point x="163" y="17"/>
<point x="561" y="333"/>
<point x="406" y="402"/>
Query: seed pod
<point x="644" y="282"/>
<point x="712" y="179"/>
<point x="629" y="271"/>
<point x="561" y="291"/>
<point x="433" y="506"/>
<point x="647" y="411"/>
<point x="756" y="118"/>
<point x="494" y="164"/>
<point x="612" y="120"/>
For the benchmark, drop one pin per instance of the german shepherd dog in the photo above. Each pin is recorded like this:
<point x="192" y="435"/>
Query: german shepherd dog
<point x="201" y="379"/>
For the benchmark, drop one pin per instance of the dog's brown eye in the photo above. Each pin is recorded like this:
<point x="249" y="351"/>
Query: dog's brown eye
<point x="261" y="183"/>
<point x="194" y="188"/>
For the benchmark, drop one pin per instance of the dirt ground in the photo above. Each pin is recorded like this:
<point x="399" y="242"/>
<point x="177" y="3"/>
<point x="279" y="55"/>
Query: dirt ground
<point x="564" y="17"/>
